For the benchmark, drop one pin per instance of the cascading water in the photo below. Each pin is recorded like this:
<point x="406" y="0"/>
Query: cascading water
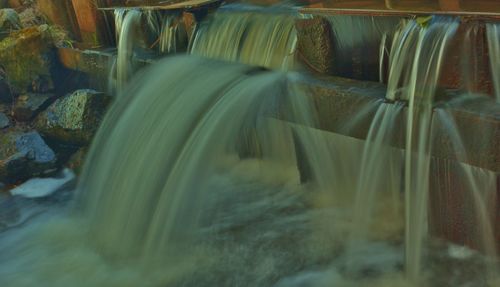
<point x="261" y="39"/>
<point x="493" y="35"/>
<point x="128" y="22"/>
<point x="193" y="180"/>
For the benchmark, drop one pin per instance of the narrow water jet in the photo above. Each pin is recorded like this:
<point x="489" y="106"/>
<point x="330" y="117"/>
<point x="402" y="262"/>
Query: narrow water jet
<point x="126" y="41"/>
<point x="493" y="38"/>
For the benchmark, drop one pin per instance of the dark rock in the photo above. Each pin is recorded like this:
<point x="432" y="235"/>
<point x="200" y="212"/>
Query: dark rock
<point x="26" y="57"/>
<point x="24" y="155"/>
<point x="4" y="121"/>
<point x="74" y="118"/>
<point x="28" y="106"/>
<point x="5" y="94"/>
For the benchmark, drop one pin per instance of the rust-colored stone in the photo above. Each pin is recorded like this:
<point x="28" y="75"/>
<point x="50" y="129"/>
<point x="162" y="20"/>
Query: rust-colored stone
<point x="61" y="13"/>
<point x="449" y="5"/>
<point x="466" y="64"/>
<point x="90" y="22"/>
<point x="453" y="209"/>
<point x="15" y="3"/>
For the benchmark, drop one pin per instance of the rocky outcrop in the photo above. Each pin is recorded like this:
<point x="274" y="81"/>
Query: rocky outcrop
<point x="27" y="59"/>
<point x="24" y="155"/>
<point x="29" y="105"/>
<point x="4" y="121"/>
<point x="74" y="118"/>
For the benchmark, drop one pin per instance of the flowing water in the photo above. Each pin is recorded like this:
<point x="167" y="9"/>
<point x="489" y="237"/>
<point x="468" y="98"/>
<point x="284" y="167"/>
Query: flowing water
<point x="128" y="22"/>
<point x="262" y="39"/>
<point x="208" y="173"/>
<point x="493" y="35"/>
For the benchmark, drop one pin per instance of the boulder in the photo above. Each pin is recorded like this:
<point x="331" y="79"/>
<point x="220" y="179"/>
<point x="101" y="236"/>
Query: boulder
<point x="27" y="59"/>
<point x="30" y="105"/>
<point x="74" y="118"/>
<point x="4" y="121"/>
<point x="24" y="155"/>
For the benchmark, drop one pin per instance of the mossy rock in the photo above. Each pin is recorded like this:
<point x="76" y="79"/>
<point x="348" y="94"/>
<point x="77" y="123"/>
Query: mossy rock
<point x="26" y="57"/>
<point x="24" y="155"/>
<point x="74" y="118"/>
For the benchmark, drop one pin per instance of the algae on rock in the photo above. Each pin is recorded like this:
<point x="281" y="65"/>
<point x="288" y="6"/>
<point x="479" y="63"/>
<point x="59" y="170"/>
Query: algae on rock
<point x="26" y="57"/>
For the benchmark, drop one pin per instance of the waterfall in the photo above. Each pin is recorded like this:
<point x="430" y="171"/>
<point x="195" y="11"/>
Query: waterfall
<point x="262" y="39"/>
<point x="493" y="38"/>
<point x="126" y="40"/>
<point x="416" y="58"/>
<point x="211" y="173"/>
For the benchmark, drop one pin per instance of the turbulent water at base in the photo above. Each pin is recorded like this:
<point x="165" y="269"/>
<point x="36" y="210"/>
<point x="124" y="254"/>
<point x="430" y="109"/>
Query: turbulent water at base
<point x="261" y="39"/>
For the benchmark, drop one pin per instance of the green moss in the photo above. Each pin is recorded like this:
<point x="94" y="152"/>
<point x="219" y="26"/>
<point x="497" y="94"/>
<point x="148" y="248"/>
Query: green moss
<point x="24" y="57"/>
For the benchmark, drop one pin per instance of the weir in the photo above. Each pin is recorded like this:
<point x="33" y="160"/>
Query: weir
<point x="336" y="143"/>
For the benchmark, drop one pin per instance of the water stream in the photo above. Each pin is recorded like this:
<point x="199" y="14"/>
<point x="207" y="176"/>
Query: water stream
<point x="211" y="173"/>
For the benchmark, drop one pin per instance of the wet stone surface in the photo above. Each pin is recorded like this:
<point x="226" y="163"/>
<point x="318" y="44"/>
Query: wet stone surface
<point x="29" y="105"/>
<point x="24" y="155"/>
<point x="74" y="118"/>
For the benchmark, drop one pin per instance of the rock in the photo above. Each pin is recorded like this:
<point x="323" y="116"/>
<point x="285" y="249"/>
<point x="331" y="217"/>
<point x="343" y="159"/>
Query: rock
<point x="5" y="94"/>
<point x="26" y="58"/>
<point x="4" y="121"/>
<point x="77" y="160"/>
<point x="42" y="187"/>
<point x="28" y="106"/>
<point x="9" y="20"/>
<point x="73" y="119"/>
<point x="24" y="155"/>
